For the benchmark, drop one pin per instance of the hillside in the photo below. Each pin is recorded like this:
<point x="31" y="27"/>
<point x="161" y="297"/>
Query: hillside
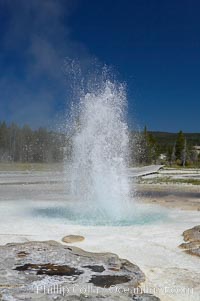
<point x="165" y="138"/>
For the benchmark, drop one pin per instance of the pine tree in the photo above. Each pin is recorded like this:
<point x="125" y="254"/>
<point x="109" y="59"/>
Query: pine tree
<point x="180" y="143"/>
<point x="184" y="153"/>
<point x="150" y="147"/>
<point x="173" y="155"/>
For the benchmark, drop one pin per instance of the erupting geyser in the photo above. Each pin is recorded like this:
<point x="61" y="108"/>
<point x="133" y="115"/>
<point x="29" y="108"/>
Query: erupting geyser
<point x="98" y="167"/>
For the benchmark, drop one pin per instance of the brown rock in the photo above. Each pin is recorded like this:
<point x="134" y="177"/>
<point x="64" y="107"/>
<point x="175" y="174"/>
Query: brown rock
<point x="72" y="238"/>
<point x="49" y="263"/>
<point x="192" y="237"/>
<point x="192" y="248"/>
<point x="192" y="234"/>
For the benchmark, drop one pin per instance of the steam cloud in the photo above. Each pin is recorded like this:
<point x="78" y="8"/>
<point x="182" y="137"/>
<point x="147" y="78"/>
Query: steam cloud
<point x="35" y="41"/>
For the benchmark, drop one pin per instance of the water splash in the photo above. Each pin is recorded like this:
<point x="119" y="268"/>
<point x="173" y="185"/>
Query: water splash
<point x="99" y="158"/>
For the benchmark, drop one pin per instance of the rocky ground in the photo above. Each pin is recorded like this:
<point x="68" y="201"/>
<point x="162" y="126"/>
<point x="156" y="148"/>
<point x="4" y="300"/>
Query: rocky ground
<point x="177" y="196"/>
<point x="192" y="238"/>
<point x="172" y="188"/>
<point x="52" y="271"/>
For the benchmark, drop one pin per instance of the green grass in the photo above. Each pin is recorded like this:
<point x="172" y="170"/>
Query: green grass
<point x="168" y="180"/>
<point x="192" y="166"/>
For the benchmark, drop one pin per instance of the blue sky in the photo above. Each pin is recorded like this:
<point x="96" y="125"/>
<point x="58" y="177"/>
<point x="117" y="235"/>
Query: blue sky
<point x="153" y="45"/>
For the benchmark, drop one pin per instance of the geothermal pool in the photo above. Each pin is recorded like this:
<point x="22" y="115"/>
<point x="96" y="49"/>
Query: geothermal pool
<point x="45" y="195"/>
<point x="152" y="245"/>
<point x="33" y="206"/>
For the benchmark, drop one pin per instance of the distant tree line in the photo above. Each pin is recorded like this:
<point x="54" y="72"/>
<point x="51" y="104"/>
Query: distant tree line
<point x="23" y="144"/>
<point x="183" y="153"/>
<point x="164" y="148"/>
<point x="144" y="148"/>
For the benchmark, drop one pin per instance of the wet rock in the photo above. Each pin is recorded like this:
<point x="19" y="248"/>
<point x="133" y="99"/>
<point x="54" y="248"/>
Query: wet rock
<point x="22" y="254"/>
<point x="95" y="268"/>
<point x="108" y="280"/>
<point x="49" y="269"/>
<point x="192" y="248"/>
<point x="145" y="297"/>
<point x="52" y="271"/>
<point x="192" y="234"/>
<point x="72" y="238"/>
<point x="192" y="238"/>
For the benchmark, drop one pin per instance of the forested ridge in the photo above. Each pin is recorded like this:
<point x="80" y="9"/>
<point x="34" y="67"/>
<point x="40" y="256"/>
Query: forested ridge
<point x="24" y="144"/>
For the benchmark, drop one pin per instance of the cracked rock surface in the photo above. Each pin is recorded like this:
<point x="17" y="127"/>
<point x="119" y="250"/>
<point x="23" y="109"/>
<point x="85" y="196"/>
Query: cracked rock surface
<point x="192" y="238"/>
<point x="52" y="271"/>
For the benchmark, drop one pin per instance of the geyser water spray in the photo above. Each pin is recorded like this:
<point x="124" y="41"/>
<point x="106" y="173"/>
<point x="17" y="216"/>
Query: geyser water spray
<point x="99" y="189"/>
<point x="100" y="150"/>
<point x="98" y="164"/>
